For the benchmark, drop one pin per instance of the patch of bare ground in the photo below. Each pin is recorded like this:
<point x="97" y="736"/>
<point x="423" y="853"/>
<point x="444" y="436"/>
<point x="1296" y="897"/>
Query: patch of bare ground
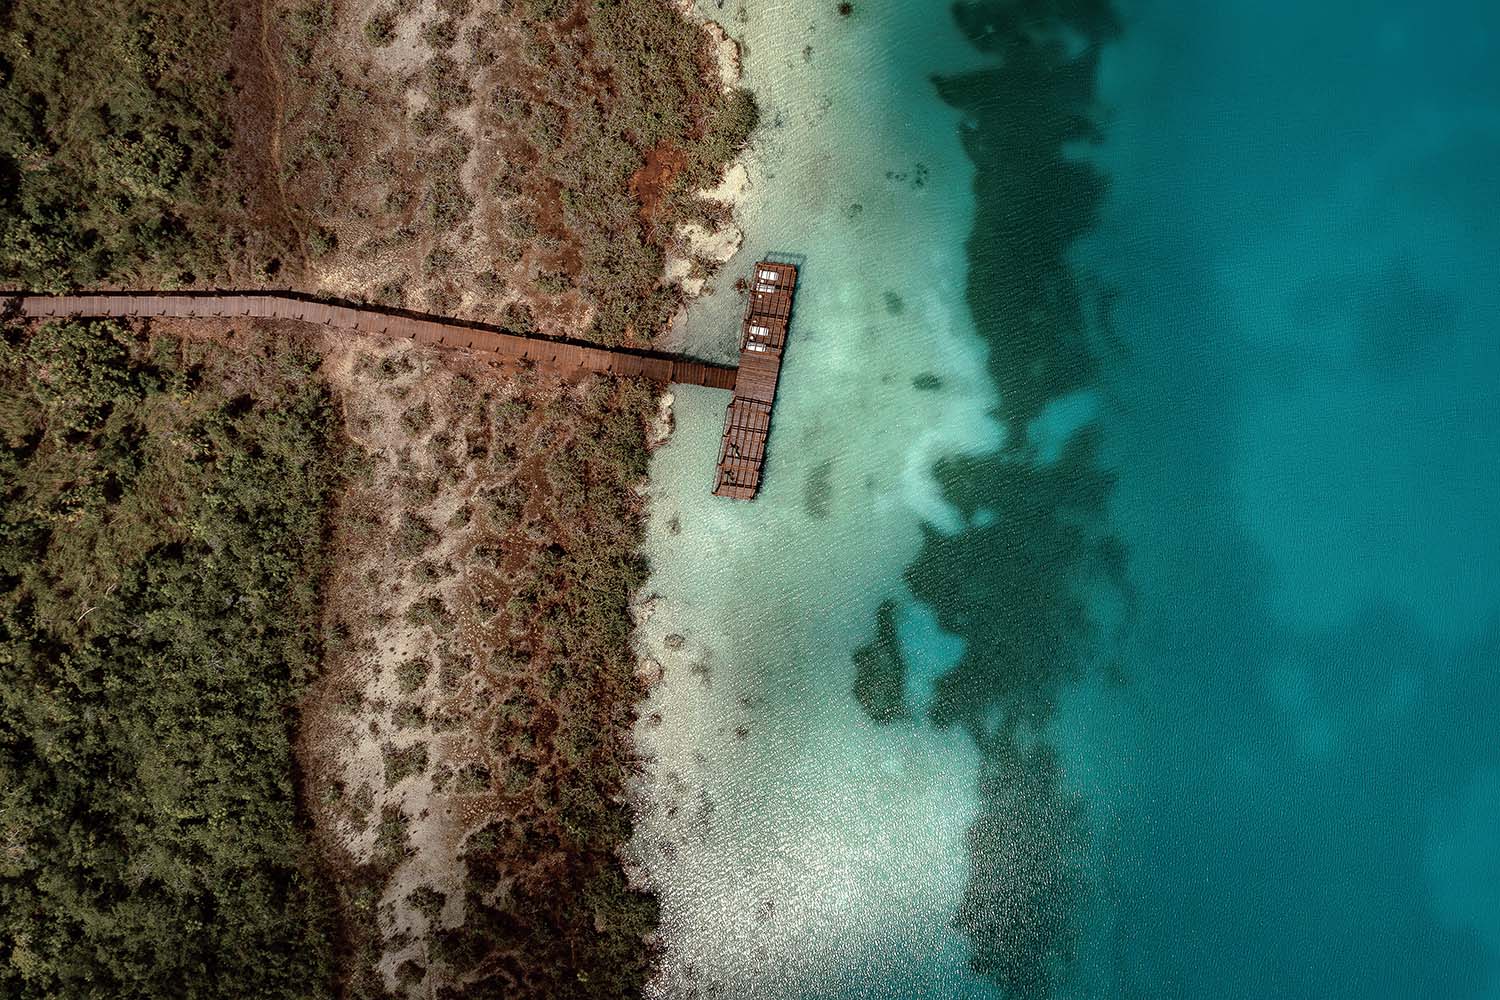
<point x="273" y="247"/>
<point x="528" y="162"/>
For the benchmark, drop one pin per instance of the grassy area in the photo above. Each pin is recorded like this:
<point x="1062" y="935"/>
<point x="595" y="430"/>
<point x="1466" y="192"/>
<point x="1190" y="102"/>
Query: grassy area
<point x="161" y="520"/>
<point x="163" y="504"/>
<point x="544" y="890"/>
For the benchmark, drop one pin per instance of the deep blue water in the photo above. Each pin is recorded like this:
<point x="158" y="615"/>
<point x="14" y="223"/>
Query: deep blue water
<point x="1263" y="659"/>
<point x="1301" y="240"/>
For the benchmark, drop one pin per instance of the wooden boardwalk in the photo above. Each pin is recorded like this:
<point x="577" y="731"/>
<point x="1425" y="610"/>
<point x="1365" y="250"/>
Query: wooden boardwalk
<point x="747" y="423"/>
<point x="561" y="355"/>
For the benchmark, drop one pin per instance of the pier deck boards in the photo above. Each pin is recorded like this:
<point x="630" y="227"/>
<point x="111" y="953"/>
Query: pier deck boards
<point x="747" y="422"/>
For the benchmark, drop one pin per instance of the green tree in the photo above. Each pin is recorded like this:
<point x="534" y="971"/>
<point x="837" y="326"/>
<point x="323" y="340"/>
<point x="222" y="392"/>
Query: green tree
<point x="161" y="525"/>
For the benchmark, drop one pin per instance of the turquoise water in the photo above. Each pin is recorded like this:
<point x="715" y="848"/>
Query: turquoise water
<point x="1122" y="613"/>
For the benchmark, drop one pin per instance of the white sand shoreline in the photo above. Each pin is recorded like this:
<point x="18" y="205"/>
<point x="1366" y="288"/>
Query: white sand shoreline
<point x="700" y="251"/>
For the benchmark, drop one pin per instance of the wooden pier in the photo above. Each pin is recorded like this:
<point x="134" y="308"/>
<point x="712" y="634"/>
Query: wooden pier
<point x="762" y="343"/>
<point x="746" y="424"/>
<point x="559" y="355"/>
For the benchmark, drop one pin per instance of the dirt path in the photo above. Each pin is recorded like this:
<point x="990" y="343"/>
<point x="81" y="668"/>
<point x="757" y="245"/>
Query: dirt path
<point x="278" y="116"/>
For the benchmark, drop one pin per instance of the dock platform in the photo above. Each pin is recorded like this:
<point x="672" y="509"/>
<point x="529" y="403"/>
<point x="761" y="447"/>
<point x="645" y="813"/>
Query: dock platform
<point x="747" y="423"/>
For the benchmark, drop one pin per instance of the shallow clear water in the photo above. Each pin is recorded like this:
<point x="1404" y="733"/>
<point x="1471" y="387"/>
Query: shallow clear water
<point x="1143" y="371"/>
<point x="800" y="826"/>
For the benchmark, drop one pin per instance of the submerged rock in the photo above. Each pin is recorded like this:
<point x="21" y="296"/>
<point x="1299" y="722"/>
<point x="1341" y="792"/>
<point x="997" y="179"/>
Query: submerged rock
<point x="880" y="671"/>
<point x="649" y="671"/>
<point x="817" y="492"/>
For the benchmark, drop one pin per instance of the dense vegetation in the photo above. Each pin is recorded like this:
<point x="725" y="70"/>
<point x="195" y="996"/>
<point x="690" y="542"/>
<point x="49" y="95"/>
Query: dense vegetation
<point x="113" y="125"/>
<point x="162" y="503"/>
<point x="527" y="162"/>
<point x="161" y="515"/>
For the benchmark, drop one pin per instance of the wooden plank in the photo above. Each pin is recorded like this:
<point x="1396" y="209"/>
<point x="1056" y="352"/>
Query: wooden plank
<point x="507" y="346"/>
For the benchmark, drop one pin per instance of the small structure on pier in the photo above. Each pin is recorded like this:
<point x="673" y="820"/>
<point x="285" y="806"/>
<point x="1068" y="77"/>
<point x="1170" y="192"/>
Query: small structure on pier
<point x="762" y="342"/>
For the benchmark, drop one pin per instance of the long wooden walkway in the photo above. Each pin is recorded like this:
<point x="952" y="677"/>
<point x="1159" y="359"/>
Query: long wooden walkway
<point x="562" y="355"/>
